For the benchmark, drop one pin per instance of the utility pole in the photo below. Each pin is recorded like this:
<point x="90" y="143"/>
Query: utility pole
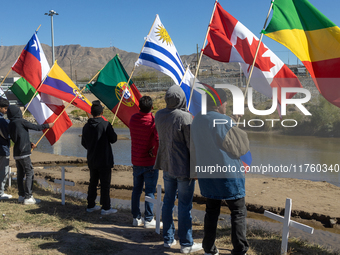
<point x="51" y="13"/>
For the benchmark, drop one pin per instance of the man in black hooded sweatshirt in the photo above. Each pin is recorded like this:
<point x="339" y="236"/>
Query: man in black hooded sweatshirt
<point x="97" y="137"/>
<point x="18" y="130"/>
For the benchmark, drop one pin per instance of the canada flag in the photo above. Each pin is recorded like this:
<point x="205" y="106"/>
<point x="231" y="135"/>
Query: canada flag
<point x="230" y="41"/>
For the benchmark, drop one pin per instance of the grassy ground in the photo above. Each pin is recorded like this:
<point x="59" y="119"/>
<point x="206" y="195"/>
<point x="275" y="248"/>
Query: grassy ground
<point x="51" y="228"/>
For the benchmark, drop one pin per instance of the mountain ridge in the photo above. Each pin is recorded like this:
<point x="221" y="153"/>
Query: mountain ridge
<point x="85" y="62"/>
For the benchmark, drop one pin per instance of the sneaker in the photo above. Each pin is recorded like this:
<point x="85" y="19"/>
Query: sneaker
<point x="21" y="199"/>
<point x="152" y="224"/>
<point x="193" y="248"/>
<point x="95" y="208"/>
<point x="138" y="222"/>
<point x="31" y="201"/>
<point x="169" y="245"/>
<point x="217" y="253"/>
<point x="107" y="212"/>
<point x="5" y="196"/>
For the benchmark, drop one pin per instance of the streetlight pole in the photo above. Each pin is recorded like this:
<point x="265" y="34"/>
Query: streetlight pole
<point x="51" y="13"/>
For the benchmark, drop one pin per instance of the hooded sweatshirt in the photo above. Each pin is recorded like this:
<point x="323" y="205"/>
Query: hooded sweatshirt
<point x="173" y="127"/>
<point x="97" y="137"/>
<point x="18" y="130"/>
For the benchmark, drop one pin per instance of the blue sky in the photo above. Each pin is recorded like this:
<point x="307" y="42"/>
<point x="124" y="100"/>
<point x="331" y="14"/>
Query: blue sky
<point x="125" y="23"/>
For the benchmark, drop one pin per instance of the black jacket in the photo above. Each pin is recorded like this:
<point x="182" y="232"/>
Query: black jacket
<point x="18" y="130"/>
<point x="97" y="137"/>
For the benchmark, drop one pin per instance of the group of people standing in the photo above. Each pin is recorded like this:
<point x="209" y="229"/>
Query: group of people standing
<point x="172" y="141"/>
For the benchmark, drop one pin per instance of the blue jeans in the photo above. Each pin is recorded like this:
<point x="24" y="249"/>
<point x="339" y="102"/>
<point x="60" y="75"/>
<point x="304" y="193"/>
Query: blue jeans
<point x="4" y="169"/>
<point x="185" y="189"/>
<point x="141" y="175"/>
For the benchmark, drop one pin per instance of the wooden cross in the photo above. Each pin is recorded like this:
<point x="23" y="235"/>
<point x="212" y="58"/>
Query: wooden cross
<point x="158" y="203"/>
<point x="63" y="183"/>
<point x="287" y="223"/>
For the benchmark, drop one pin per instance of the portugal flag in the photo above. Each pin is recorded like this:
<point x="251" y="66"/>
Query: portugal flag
<point x="313" y="38"/>
<point x="111" y="86"/>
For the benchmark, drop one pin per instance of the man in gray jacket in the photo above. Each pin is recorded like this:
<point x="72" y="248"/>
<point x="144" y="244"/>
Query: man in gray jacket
<point x="173" y="157"/>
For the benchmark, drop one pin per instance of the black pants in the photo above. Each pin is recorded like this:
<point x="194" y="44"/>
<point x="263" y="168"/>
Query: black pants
<point x="104" y="175"/>
<point x="238" y="225"/>
<point x="25" y="168"/>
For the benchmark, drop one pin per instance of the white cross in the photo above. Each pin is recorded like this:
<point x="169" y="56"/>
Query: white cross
<point x="63" y="183"/>
<point x="158" y="203"/>
<point x="286" y="224"/>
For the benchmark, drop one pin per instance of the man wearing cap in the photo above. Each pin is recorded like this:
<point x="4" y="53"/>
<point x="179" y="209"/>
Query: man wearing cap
<point x="216" y="149"/>
<point x="97" y="137"/>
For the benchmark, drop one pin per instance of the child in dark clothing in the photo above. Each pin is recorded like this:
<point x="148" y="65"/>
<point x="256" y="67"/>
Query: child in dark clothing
<point x="97" y="137"/>
<point x="18" y="129"/>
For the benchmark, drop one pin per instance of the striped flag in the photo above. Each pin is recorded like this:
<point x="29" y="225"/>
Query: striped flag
<point x="160" y="53"/>
<point x="313" y="38"/>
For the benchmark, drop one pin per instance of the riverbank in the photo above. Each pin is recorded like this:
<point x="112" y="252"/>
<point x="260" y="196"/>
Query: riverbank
<point x="317" y="202"/>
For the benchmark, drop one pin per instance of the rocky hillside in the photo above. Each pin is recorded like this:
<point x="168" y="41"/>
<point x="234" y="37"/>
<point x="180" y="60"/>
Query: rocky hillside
<point x="84" y="62"/>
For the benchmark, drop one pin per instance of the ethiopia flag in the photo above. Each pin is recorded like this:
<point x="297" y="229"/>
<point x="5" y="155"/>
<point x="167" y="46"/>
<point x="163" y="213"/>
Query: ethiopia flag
<point x="111" y="86"/>
<point x="43" y="112"/>
<point x="313" y="38"/>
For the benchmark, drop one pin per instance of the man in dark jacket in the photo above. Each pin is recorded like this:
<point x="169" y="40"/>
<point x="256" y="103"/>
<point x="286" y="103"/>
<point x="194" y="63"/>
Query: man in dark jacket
<point x="144" y="145"/>
<point x="4" y="148"/>
<point x="97" y="137"/>
<point x="18" y="129"/>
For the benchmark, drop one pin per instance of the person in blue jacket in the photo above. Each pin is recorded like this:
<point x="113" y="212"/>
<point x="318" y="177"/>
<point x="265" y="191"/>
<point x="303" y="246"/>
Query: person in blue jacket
<point x="216" y="149"/>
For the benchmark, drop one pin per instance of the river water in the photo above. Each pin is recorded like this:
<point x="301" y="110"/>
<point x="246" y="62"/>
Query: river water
<point x="300" y="157"/>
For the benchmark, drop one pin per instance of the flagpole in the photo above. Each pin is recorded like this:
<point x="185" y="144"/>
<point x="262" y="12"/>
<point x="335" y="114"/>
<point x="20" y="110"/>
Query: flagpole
<point x="3" y="80"/>
<point x="256" y="53"/>
<point x="36" y="91"/>
<point x="199" y="61"/>
<point x="185" y="73"/>
<point x="67" y="107"/>
<point x="133" y="70"/>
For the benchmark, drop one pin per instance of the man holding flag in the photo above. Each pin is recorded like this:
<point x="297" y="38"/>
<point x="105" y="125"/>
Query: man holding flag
<point x="18" y="129"/>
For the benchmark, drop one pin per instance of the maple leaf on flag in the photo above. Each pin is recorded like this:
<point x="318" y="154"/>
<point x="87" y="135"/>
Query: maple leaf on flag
<point x="248" y="51"/>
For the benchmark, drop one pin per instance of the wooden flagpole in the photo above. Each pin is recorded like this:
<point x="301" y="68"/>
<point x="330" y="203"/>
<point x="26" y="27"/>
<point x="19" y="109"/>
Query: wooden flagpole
<point x="199" y="61"/>
<point x="256" y="53"/>
<point x="14" y="63"/>
<point x="185" y="73"/>
<point x="133" y="70"/>
<point x="67" y="107"/>
<point x="3" y="80"/>
<point x="36" y="91"/>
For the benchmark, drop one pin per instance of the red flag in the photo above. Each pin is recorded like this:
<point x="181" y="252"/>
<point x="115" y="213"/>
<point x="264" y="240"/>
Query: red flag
<point x="230" y="41"/>
<point x="32" y="65"/>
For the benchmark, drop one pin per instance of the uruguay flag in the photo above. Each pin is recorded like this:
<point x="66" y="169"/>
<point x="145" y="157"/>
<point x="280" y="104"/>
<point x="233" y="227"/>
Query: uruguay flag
<point x="32" y="63"/>
<point x="160" y="53"/>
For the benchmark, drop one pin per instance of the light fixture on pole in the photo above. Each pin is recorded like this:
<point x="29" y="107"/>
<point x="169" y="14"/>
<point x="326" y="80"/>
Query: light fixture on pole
<point x="51" y="13"/>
